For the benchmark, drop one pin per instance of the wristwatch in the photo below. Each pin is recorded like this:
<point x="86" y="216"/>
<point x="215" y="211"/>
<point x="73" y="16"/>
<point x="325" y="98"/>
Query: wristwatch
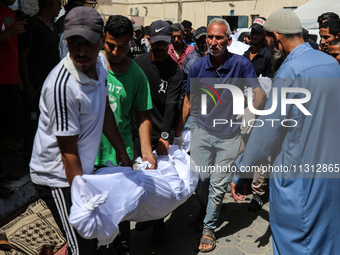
<point x="165" y="135"/>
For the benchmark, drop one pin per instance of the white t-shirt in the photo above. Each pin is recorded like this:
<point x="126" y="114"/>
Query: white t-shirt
<point x="70" y="104"/>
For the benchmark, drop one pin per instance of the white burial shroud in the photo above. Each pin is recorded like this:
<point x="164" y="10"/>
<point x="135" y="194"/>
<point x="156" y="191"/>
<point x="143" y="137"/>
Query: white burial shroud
<point x="115" y="194"/>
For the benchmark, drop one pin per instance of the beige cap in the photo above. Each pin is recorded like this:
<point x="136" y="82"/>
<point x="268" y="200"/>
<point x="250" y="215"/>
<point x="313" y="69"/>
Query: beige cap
<point x="283" y="21"/>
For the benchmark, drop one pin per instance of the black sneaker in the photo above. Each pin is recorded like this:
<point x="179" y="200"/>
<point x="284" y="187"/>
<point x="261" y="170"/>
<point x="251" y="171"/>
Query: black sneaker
<point x="256" y="203"/>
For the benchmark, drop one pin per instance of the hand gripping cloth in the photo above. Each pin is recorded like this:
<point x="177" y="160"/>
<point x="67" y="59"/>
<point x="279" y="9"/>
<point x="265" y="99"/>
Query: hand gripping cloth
<point x="115" y="194"/>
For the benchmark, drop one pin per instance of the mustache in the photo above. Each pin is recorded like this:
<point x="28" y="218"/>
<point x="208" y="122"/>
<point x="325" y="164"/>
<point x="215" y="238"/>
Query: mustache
<point x="215" y="48"/>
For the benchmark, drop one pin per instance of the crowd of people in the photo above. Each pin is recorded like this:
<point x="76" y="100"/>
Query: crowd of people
<point x="119" y="90"/>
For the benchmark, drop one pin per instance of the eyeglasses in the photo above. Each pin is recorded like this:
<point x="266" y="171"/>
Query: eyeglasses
<point x="217" y="37"/>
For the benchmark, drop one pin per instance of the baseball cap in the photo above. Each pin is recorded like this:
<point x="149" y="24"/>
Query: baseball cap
<point x="258" y="24"/>
<point x="200" y="31"/>
<point x="137" y="27"/>
<point x="85" y="22"/>
<point x="160" y="31"/>
<point x="283" y="21"/>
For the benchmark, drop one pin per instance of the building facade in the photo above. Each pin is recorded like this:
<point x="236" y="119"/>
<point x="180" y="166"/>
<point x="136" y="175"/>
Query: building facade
<point x="239" y="13"/>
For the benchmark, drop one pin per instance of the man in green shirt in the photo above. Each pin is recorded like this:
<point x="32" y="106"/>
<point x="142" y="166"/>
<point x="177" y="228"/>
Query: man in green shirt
<point x="128" y="88"/>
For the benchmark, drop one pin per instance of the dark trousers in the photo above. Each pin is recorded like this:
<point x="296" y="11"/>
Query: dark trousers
<point x="59" y="202"/>
<point x="8" y="100"/>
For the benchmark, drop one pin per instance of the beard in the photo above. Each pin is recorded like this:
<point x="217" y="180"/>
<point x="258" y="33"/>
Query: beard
<point x="277" y="57"/>
<point x="159" y="53"/>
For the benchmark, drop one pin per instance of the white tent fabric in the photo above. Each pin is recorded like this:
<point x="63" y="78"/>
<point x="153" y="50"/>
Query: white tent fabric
<point x="115" y="194"/>
<point x="310" y="11"/>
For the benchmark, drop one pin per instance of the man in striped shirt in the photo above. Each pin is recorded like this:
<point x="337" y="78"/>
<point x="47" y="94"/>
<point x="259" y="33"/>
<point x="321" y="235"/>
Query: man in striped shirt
<point x="74" y="112"/>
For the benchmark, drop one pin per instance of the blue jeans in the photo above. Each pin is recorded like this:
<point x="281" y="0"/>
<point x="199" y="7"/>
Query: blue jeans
<point x="212" y="156"/>
<point x="190" y="124"/>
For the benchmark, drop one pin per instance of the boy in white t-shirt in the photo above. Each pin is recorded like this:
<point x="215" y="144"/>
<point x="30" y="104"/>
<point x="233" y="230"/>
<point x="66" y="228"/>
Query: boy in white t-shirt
<point x="74" y="112"/>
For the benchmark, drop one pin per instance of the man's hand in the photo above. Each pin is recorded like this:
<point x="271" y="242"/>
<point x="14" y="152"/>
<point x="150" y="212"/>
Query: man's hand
<point x="178" y="141"/>
<point x="124" y="159"/>
<point x="162" y="147"/>
<point x="152" y="160"/>
<point x="236" y="196"/>
<point x="18" y="28"/>
<point x="145" y="128"/>
<point x="247" y="118"/>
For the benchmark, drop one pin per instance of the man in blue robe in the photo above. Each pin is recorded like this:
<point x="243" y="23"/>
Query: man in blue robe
<point x="301" y="135"/>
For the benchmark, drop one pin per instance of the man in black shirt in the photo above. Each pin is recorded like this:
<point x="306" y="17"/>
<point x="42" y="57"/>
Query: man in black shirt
<point x="165" y="78"/>
<point x="258" y="53"/>
<point x="38" y="54"/>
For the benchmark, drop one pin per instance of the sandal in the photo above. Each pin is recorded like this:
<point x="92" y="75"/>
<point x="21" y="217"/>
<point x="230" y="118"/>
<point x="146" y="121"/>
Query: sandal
<point x="208" y="237"/>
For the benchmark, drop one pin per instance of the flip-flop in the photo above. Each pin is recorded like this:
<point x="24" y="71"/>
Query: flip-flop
<point x="208" y="237"/>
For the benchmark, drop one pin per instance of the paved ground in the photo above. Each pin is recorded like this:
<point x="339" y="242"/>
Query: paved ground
<point x="240" y="232"/>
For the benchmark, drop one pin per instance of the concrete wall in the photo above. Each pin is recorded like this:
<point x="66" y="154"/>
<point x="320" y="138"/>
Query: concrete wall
<point x="153" y="11"/>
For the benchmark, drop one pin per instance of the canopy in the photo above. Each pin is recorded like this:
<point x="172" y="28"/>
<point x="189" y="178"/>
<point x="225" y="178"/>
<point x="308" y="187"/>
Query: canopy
<point x="310" y="11"/>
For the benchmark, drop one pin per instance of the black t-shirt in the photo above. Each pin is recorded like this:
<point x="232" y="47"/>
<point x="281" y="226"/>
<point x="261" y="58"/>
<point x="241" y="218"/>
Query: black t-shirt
<point x="60" y="24"/>
<point x="261" y="62"/>
<point x="44" y="52"/>
<point x="165" y="79"/>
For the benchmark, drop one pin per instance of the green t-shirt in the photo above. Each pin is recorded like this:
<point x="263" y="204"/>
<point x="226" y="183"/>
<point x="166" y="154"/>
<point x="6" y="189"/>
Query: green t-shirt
<point x="127" y="89"/>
